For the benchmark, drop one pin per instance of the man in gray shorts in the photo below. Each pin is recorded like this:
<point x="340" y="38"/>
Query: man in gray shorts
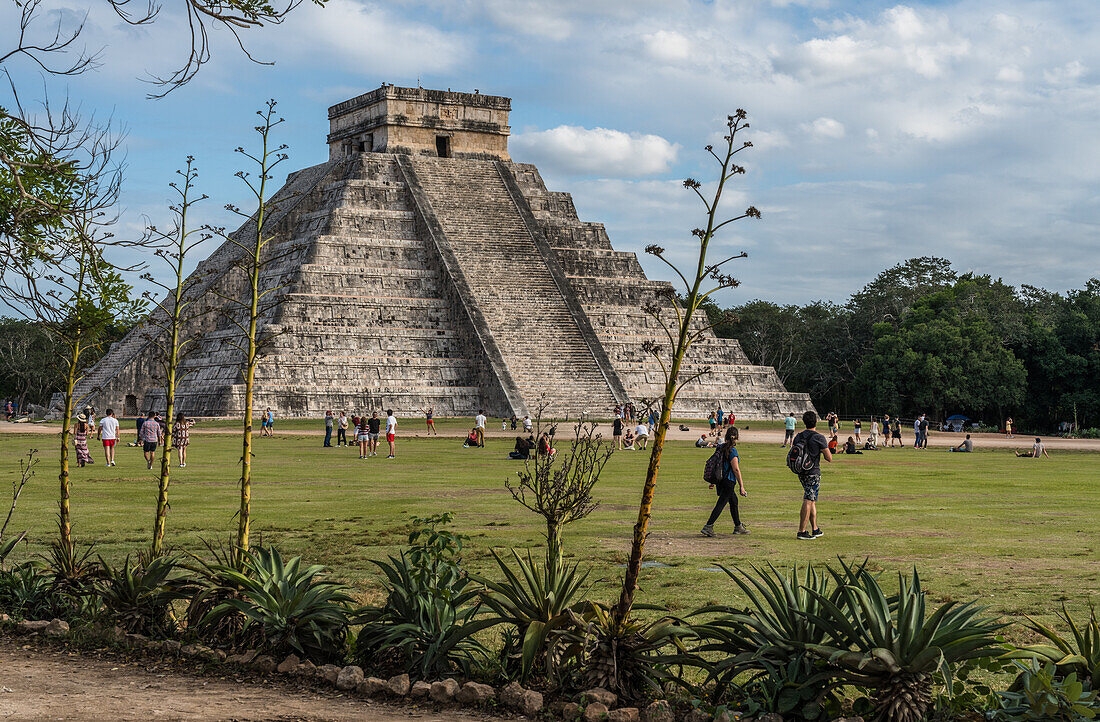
<point x="815" y="447"/>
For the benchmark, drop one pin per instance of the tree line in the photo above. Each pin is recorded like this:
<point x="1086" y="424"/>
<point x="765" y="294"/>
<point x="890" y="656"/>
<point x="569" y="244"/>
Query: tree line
<point x="924" y="338"/>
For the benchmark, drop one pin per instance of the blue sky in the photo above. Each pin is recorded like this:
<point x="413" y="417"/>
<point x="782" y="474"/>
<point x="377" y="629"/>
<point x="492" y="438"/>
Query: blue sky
<point x="882" y="130"/>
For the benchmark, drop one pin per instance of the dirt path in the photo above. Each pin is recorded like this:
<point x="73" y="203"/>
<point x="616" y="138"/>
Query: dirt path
<point x="936" y="439"/>
<point x="38" y="684"/>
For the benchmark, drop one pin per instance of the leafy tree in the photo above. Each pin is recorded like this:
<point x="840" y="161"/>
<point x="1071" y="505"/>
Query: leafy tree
<point x="944" y="356"/>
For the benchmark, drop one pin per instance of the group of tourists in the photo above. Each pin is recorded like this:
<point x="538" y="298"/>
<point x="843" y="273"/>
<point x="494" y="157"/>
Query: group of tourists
<point x="151" y="430"/>
<point x="629" y="438"/>
<point x="366" y="430"/>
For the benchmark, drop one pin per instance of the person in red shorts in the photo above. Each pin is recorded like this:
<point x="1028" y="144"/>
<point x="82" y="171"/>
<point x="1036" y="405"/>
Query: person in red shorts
<point x="429" y="415"/>
<point x="108" y="434"/>
<point x="391" y="433"/>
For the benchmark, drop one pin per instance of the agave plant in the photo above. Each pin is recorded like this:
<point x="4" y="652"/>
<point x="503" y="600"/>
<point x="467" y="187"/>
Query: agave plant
<point x="8" y="545"/>
<point x="1079" y="655"/>
<point x="767" y="641"/>
<point x="73" y="573"/>
<point x="894" y="648"/>
<point x="427" y="623"/>
<point x="630" y="658"/>
<point x="210" y="589"/>
<point x="25" y="591"/>
<point x="293" y="609"/>
<point x="139" y="595"/>
<point x="1042" y="695"/>
<point x="536" y="599"/>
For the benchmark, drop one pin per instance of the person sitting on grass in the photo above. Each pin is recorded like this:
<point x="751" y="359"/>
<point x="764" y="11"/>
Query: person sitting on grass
<point x="702" y="442"/>
<point x="833" y="443"/>
<point x="966" y="446"/>
<point x="869" y="446"/>
<point x="471" y="439"/>
<point x="523" y="448"/>
<point x="1037" y="450"/>
<point x="628" y="440"/>
<point x="546" y="446"/>
<point x="850" y="446"/>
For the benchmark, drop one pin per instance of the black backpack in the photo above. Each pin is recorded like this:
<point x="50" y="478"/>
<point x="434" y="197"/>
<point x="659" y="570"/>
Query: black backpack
<point x="799" y="458"/>
<point x="714" y="471"/>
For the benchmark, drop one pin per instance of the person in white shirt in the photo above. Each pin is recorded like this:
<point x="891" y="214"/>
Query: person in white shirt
<point x="641" y="435"/>
<point x="479" y="427"/>
<point x="391" y="433"/>
<point x="527" y="426"/>
<point x="108" y="434"/>
<point x="874" y="431"/>
<point x="1037" y="449"/>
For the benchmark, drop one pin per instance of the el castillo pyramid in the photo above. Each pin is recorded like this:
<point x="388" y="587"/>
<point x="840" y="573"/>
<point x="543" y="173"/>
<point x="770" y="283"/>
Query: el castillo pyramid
<point x="426" y="268"/>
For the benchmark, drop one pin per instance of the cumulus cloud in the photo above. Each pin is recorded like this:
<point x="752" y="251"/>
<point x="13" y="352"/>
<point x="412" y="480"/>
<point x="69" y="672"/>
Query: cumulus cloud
<point x="825" y="129"/>
<point x="667" y="45"/>
<point x="572" y="150"/>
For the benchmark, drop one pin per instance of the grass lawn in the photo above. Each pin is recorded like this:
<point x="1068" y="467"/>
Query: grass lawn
<point x="1021" y="535"/>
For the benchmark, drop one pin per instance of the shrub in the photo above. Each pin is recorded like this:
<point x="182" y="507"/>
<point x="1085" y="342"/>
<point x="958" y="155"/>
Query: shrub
<point x="893" y="647"/>
<point x="292" y="609"/>
<point x="26" y="592"/>
<point x="1041" y="695"/>
<point x="1078" y="654"/>
<point x="631" y="658"/>
<point x="211" y="588"/>
<point x="139" y="595"/>
<point x="536" y="599"/>
<point x="427" y="624"/>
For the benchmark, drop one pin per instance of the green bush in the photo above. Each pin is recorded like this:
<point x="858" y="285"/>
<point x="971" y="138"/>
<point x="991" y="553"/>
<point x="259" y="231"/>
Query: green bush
<point x="138" y="596"/>
<point x="1040" y="694"/>
<point x="535" y="599"/>
<point x="292" y="609"/>
<point x="893" y="647"/>
<point x="26" y="592"/>
<point x="427" y="624"/>
<point x="1077" y="654"/>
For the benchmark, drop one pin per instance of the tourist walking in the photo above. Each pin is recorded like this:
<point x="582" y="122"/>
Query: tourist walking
<point x="342" y="429"/>
<point x="429" y="417"/>
<point x="923" y="431"/>
<point x="329" y="421"/>
<point x="788" y="428"/>
<point x="804" y="459"/>
<point x="479" y="427"/>
<point x="151" y="435"/>
<point x="895" y="432"/>
<point x="9" y="410"/>
<point x="181" y="437"/>
<point x="728" y="485"/>
<point x="713" y="421"/>
<point x="873" y="438"/>
<point x="80" y="441"/>
<point x="916" y="433"/>
<point x="718" y="415"/>
<point x="391" y="433"/>
<point x="108" y="435"/>
<point x="363" y="435"/>
<point x="267" y="424"/>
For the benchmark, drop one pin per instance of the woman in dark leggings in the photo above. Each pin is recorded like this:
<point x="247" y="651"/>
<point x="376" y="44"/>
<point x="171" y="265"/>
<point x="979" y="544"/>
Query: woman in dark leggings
<point x="731" y="473"/>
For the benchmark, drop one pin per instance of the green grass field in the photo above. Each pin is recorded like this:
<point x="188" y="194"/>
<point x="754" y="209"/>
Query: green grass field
<point x="1021" y="535"/>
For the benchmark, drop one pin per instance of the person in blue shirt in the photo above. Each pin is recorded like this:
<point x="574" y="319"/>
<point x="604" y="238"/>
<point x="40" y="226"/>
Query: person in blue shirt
<point x="788" y="425"/>
<point x="727" y="493"/>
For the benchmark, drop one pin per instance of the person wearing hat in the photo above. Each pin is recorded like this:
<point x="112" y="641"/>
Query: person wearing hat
<point x="80" y="440"/>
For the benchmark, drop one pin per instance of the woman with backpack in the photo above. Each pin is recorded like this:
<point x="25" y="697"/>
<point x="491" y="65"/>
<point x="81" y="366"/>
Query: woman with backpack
<point x="725" y="472"/>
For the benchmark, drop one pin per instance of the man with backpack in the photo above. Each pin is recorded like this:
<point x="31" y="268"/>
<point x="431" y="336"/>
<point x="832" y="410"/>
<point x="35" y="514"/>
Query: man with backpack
<point x="804" y="459"/>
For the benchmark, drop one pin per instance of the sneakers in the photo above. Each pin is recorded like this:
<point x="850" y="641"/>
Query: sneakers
<point x="391" y="457"/>
<point x="707" y="530"/>
<point x="817" y="532"/>
<point x="805" y="536"/>
<point x="740" y="529"/>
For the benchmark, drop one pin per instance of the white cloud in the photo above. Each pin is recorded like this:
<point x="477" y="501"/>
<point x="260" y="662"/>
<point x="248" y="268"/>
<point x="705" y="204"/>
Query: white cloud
<point x="1069" y="73"/>
<point x="825" y="129"/>
<point x="1010" y="74"/>
<point x="572" y="150"/>
<point x="667" y="45"/>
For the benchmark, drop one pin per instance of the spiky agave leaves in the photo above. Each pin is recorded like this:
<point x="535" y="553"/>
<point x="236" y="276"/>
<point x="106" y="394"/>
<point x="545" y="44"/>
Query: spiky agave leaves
<point x="1078" y="653"/>
<point x="892" y="646"/>
<point x="628" y="657"/>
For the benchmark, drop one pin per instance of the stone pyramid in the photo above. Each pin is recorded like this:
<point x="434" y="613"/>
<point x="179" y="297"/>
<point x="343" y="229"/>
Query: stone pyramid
<point x="425" y="268"/>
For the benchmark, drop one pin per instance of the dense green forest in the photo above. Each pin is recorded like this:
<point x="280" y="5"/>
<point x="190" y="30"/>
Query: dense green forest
<point x="922" y="338"/>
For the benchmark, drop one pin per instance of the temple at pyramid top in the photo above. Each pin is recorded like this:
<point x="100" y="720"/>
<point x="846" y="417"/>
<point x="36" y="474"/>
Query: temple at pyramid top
<point x="419" y="121"/>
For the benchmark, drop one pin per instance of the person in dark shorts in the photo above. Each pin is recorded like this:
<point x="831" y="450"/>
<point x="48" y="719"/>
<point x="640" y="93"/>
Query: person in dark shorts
<point x="617" y="431"/>
<point x="788" y="429"/>
<point x="732" y="485"/>
<point x="895" y="432"/>
<point x="374" y="424"/>
<point x="362" y="435"/>
<point x="816" y="447"/>
<point x="151" y="435"/>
